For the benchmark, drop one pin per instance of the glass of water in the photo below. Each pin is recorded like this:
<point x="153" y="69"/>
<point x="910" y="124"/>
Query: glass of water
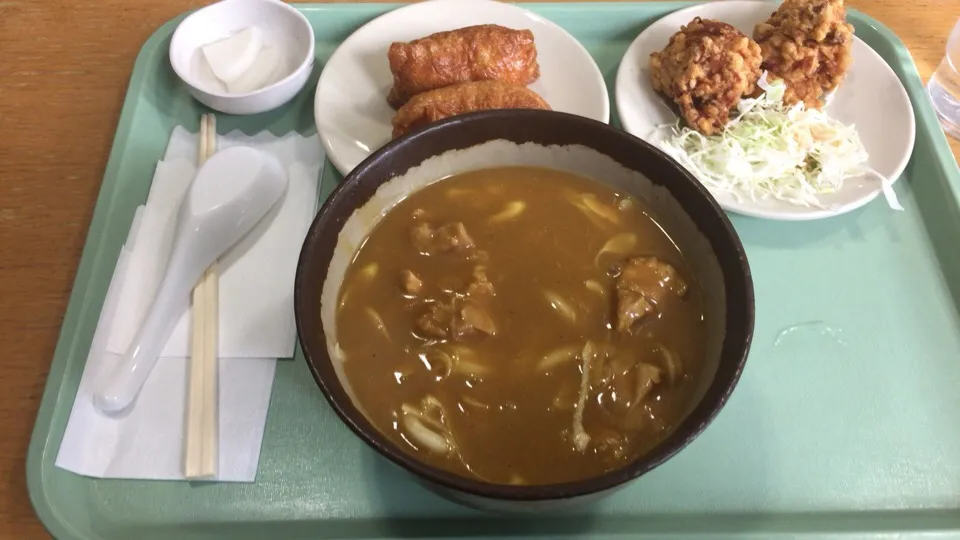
<point x="944" y="86"/>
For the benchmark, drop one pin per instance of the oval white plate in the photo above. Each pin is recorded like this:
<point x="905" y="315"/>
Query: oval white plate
<point x="351" y="111"/>
<point x="871" y="97"/>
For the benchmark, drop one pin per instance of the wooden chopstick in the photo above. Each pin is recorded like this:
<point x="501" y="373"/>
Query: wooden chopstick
<point x="202" y="433"/>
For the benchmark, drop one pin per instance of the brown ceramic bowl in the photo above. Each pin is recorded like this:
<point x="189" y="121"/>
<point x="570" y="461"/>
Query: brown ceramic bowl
<point x="526" y="137"/>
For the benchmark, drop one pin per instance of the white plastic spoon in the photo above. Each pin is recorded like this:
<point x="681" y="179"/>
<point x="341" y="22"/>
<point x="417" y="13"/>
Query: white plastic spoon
<point x="231" y="193"/>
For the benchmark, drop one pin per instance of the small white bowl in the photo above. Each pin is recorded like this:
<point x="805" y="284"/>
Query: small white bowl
<point x="283" y="27"/>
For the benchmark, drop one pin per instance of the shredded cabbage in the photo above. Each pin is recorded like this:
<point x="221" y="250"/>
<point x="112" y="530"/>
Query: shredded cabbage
<point x="769" y="150"/>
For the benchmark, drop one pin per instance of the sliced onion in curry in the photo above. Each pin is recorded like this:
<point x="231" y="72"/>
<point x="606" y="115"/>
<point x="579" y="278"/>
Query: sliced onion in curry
<point x="438" y="362"/>
<point x="466" y="361"/>
<point x="475" y="403"/>
<point x="378" y="322"/>
<point x="671" y="363"/>
<point x="580" y="437"/>
<point x="647" y="376"/>
<point x="448" y="358"/>
<point x="595" y="286"/>
<point x="369" y="271"/>
<point x="431" y="440"/>
<point x="560" y="305"/>
<point x="593" y="204"/>
<point x="512" y="210"/>
<point x="600" y="214"/>
<point x="427" y="425"/>
<point x="619" y="244"/>
<point x="560" y="355"/>
<point x="461" y="193"/>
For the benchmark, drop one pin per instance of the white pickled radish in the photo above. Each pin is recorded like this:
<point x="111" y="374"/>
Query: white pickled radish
<point x="231" y="57"/>
<point x="266" y="69"/>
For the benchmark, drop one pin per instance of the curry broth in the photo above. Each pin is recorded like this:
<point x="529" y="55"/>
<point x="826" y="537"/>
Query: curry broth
<point x="498" y="388"/>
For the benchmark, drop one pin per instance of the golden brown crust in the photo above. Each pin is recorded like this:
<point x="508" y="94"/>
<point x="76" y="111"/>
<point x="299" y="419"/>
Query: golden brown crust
<point x="475" y="53"/>
<point x="434" y="105"/>
<point x="706" y="68"/>
<point x="808" y="44"/>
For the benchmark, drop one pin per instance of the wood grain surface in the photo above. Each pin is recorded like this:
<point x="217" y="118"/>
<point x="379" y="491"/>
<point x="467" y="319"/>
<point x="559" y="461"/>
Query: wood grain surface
<point x="64" y="66"/>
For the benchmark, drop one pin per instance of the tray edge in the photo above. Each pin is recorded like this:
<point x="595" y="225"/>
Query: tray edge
<point x="91" y="257"/>
<point x="91" y="260"/>
<point x="923" y="108"/>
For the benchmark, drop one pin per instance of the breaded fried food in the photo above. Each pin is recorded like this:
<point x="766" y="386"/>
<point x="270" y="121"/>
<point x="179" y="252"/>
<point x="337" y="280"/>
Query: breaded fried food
<point x="705" y="69"/>
<point x="807" y="43"/>
<point x="462" y="98"/>
<point x="476" y="53"/>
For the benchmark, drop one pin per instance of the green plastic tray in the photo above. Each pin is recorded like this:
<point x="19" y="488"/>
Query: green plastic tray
<point x="846" y="423"/>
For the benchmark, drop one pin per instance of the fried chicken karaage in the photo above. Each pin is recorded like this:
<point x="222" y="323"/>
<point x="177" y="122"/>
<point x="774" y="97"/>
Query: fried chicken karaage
<point x="706" y="68"/>
<point x="807" y="43"/>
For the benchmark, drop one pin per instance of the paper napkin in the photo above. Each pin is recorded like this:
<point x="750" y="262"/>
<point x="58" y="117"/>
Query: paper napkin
<point x="147" y="442"/>
<point x="256" y="326"/>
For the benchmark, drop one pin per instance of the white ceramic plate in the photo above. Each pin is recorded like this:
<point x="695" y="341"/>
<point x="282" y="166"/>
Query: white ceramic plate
<point x="353" y="118"/>
<point x="870" y="97"/>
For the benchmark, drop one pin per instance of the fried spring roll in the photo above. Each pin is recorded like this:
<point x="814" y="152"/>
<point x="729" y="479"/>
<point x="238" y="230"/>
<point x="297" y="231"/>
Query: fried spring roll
<point x="475" y="53"/>
<point x="434" y="105"/>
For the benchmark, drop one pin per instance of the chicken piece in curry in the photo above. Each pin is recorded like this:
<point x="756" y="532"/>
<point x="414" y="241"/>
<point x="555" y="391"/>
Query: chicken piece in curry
<point x="522" y="325"/>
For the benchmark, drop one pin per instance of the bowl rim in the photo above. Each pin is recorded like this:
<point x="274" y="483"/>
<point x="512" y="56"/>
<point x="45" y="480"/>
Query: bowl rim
<point x="304" y="63"/>
<point x="681" y="436"/>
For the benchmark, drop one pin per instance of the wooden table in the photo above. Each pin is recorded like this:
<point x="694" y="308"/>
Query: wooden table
<point x="64" y="67"/>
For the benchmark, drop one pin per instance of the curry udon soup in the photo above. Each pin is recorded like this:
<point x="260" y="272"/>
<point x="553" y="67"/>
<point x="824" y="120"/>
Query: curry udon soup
<point x="521" y="325"/>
